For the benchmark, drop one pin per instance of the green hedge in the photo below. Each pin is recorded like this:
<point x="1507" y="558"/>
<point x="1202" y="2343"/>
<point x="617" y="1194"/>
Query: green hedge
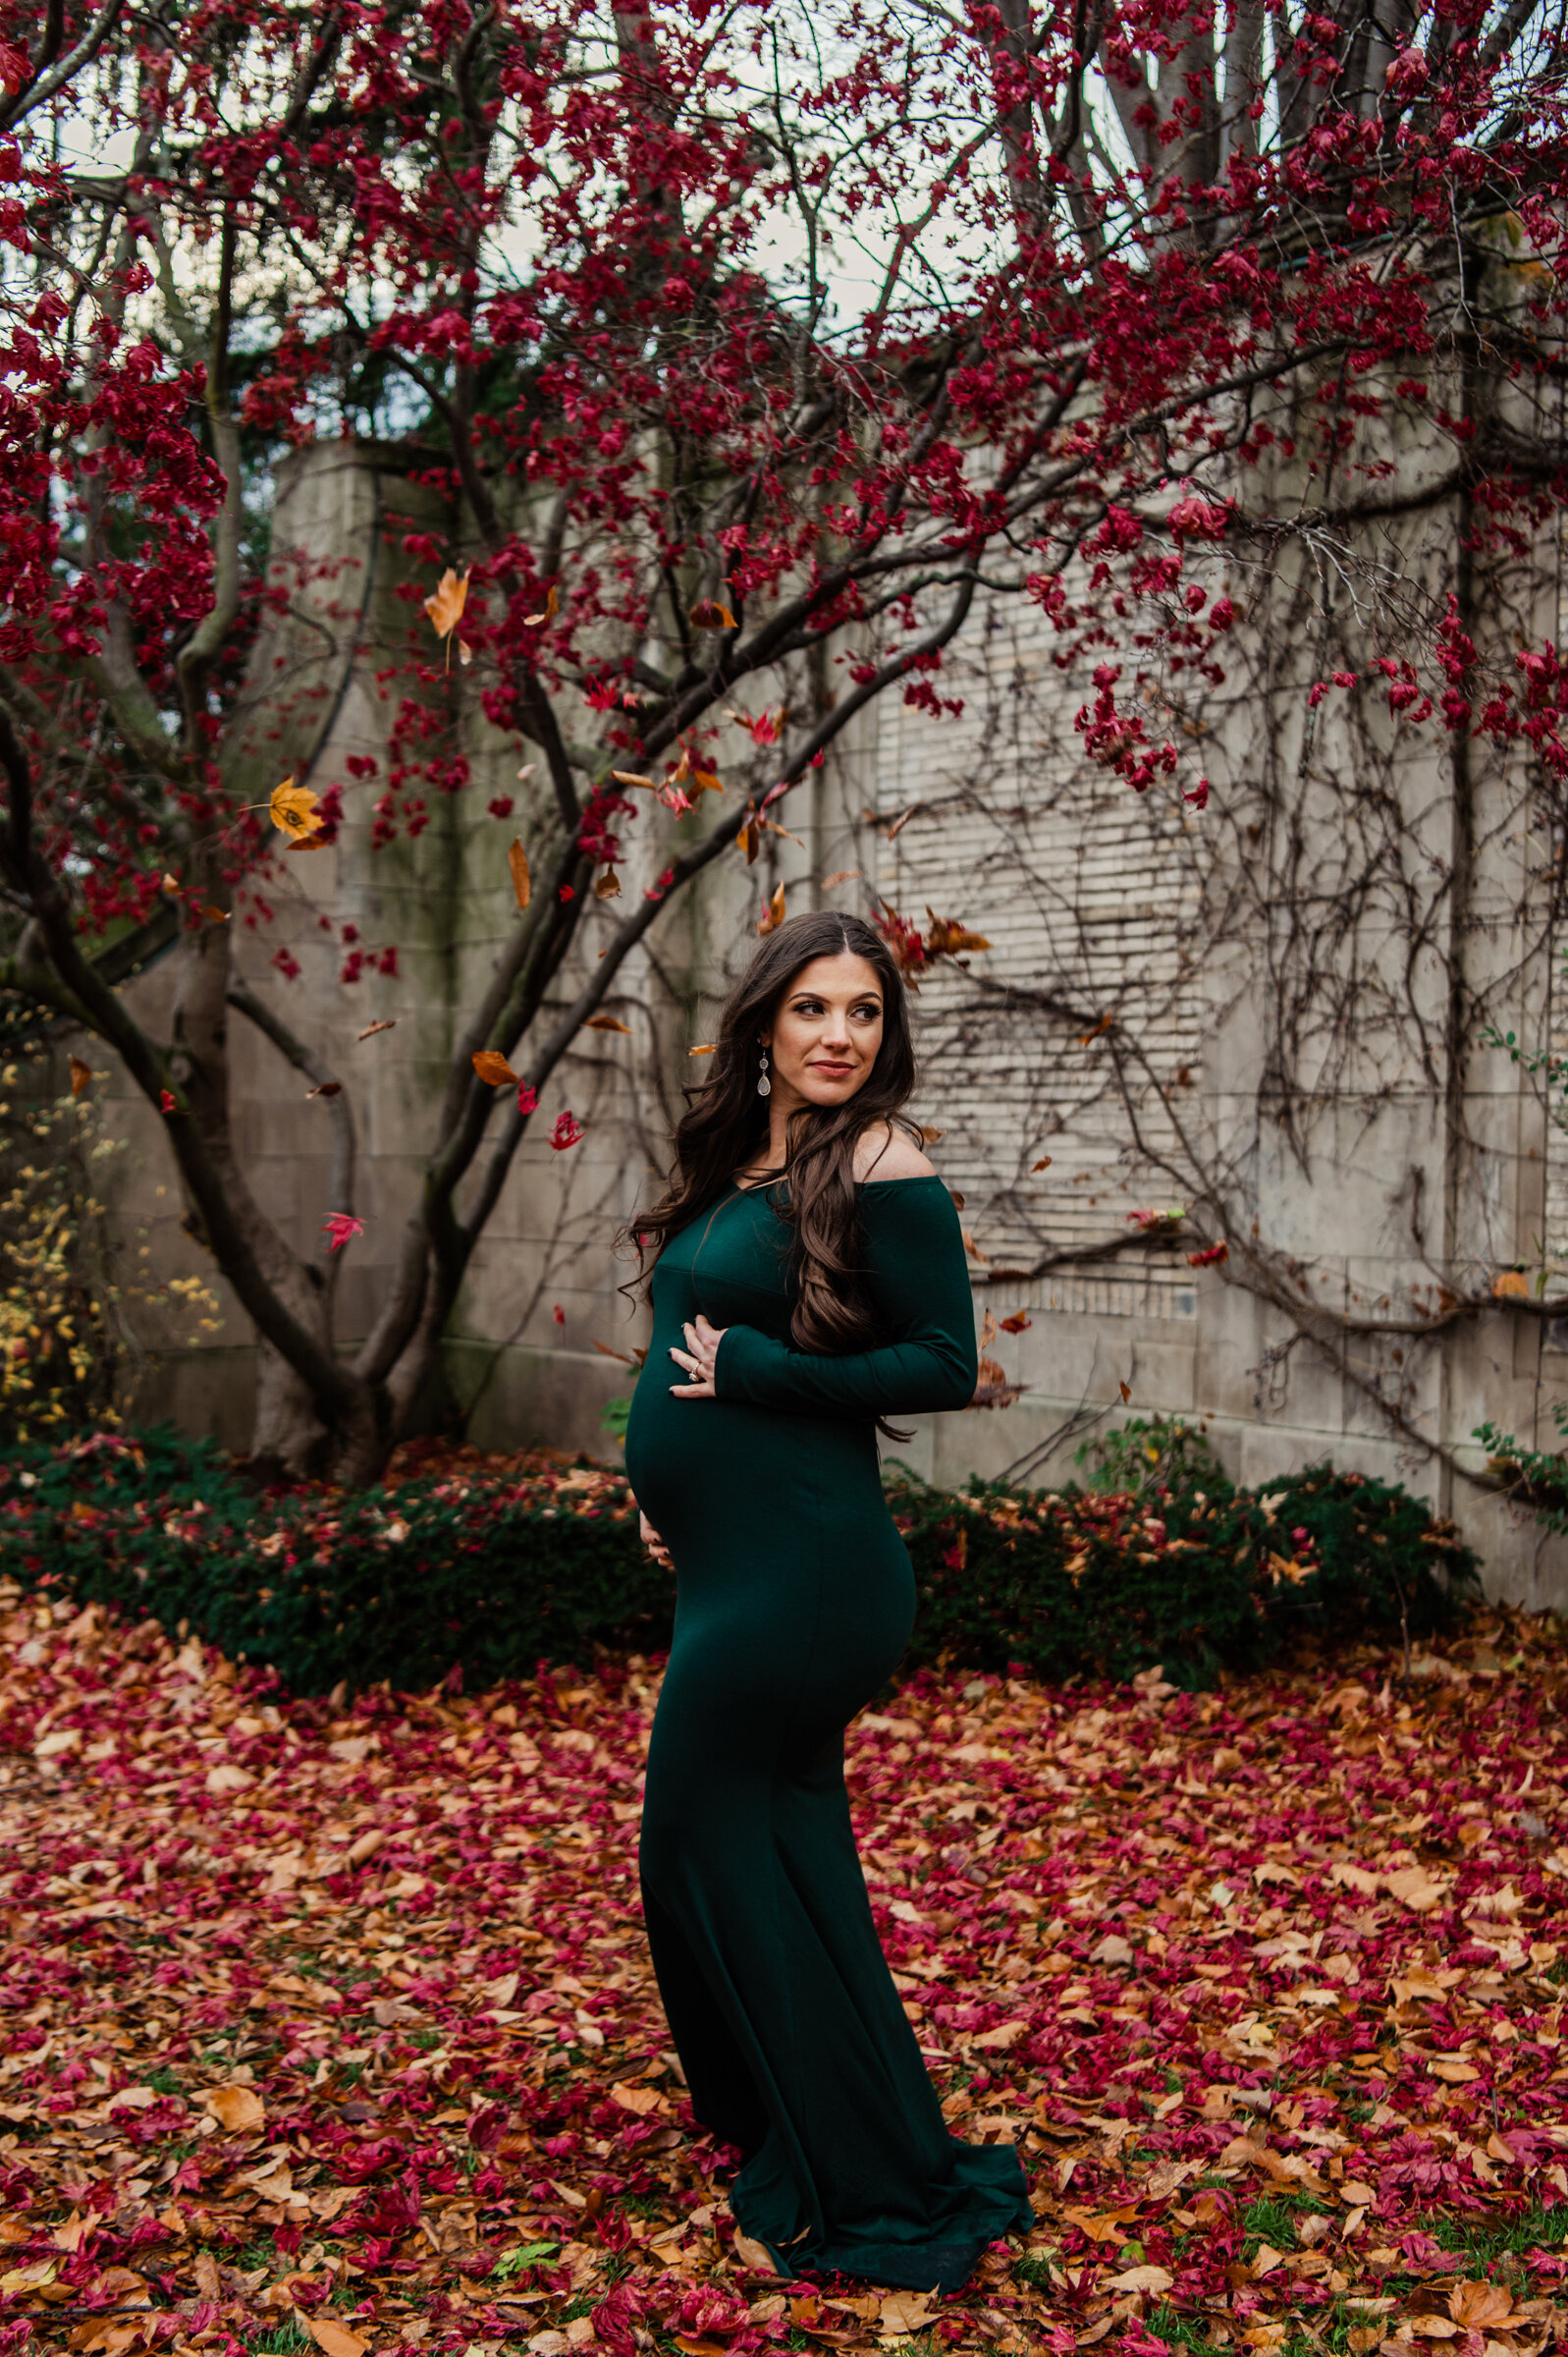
<point x="494" y="1573"/>
<point x="1199" y="1581"/>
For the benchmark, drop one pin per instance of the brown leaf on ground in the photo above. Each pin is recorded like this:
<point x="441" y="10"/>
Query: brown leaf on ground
<point x="238" y="2109"/>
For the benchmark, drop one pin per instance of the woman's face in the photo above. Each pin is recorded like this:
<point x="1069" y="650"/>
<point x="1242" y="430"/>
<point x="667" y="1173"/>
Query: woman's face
<point x="824" y="1033"/>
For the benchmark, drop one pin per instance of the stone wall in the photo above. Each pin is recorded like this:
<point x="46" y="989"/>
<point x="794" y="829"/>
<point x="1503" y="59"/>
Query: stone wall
<point x="1096" y="903"/>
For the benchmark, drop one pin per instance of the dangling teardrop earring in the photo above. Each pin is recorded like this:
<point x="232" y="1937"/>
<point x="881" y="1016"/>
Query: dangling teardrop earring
<point x="764" y="1085"/>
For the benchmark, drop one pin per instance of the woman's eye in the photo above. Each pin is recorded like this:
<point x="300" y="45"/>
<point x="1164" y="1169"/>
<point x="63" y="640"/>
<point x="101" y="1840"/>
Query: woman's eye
<point x="867" y="1013"/>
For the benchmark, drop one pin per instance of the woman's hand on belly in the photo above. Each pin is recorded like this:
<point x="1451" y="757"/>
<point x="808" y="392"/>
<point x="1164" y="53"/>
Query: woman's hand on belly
<point x="698" y="1361"/>
<point x="653" y="1542"/>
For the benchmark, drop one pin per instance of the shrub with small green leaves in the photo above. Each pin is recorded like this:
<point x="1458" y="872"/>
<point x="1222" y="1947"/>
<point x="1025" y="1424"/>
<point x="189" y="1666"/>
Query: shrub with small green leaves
<point x="491" y="1573"/>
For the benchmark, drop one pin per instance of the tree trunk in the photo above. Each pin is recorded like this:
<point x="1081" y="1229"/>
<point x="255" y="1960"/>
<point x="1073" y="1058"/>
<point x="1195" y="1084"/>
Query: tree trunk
<point x="290" y="1435"/>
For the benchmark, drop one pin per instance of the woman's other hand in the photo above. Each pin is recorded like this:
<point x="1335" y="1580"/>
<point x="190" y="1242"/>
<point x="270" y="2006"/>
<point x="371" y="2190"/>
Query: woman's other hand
<point x="653" y="1542"/>
<point x="698" y="1361"/>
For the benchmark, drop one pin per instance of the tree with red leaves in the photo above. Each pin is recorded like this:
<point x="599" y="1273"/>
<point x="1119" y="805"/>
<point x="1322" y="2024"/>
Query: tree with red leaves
<point x="754" y="349"/>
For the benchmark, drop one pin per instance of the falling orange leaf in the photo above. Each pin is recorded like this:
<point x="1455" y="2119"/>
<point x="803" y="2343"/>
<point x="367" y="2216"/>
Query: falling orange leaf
<point x="605" y="1022"/>
<point x="707" y="1051"/>
<point x="1104" y="1024"/>
<point x="521" y="880"/>
<point x="493" y="1069"/>
<point x="971" y="1248"/>
<point x="465" y="653"/>
<point x="216" y="916"/>
<point x="632" y="777"/>
<point x="1018" y="1323"/>
<point x="1126" y="1389"/>
<point x="534" y="622"/>
<point x="707" y="781"/>
<point x="749" y="837"/>
<point x="1044" y="1164"/>
<point x="445" y="602"/>
<point x="80" y="1075"/>
<point x="947" y="936"/>
<point x="170" y="887"/>
<point x="773" y="916"/>
<point x="841" y="875"/>
<point x="992" y="1388"/>
<point x="294" y="808"/>
<point x="608" y="887"/>
<point x="712" y="614"/>
<point x="370" y="1030"/>
<point x="324" y="1088"/>
<point x="1512" y="1284"/>
<point x="988" y="1331"/>
<point x="927" y="1135"/>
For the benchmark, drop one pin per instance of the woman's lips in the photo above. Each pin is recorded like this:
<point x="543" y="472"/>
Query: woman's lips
<point x="834" y="1071"/>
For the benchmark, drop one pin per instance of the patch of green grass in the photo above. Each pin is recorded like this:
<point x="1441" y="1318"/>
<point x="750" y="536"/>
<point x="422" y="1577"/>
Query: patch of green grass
<point x="1273" y="2219"/>
<point x="584" y="2304"/>
<point x="1191" y="2333"/>
<point x="285" y="2339"/>
<point x="1485" y="2240"/>
<point x="164" y="2081"/>
<point x="425" y="2040"/>
<point x="1177" y="2332"/>
<point x="1033" y="2271"/>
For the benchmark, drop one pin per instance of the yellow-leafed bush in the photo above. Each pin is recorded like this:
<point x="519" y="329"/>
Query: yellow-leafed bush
<point x="70" y="1287"/>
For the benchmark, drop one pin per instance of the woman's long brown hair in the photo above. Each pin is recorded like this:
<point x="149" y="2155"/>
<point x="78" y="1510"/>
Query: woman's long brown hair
<point x="726" y="1128"/>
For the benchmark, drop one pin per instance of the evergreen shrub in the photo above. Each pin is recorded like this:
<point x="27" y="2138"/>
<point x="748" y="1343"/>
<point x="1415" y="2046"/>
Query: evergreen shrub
<point x="490" y="1574"/>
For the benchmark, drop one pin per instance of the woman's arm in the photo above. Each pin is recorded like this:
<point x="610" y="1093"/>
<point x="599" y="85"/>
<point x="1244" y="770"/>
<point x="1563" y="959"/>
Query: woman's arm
<point x="917" y="1280"/>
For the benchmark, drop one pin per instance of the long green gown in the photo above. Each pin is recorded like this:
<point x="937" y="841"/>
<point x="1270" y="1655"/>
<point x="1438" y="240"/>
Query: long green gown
<point x="796" y="1601"/>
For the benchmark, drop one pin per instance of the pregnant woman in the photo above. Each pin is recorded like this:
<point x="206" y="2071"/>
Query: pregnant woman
<point x="809" y="1281"/>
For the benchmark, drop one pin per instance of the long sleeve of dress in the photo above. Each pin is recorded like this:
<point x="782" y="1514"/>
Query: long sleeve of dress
<point x="917" y="1278"/>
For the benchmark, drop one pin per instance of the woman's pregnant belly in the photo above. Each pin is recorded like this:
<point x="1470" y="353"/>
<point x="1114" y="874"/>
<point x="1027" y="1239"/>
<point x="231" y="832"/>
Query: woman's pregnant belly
<point x="775" y="1523"/>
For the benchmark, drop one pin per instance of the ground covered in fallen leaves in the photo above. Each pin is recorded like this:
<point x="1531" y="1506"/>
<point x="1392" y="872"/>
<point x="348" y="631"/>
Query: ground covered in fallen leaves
<point x="332" y="2027"/>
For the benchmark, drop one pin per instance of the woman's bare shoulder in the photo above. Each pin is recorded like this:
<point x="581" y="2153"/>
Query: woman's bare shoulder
<point x="884" y="1151"/>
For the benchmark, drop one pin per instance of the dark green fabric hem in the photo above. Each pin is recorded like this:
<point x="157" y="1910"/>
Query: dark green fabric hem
<point x="892" y="2266"/>
<point x="943" y="2263"/>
